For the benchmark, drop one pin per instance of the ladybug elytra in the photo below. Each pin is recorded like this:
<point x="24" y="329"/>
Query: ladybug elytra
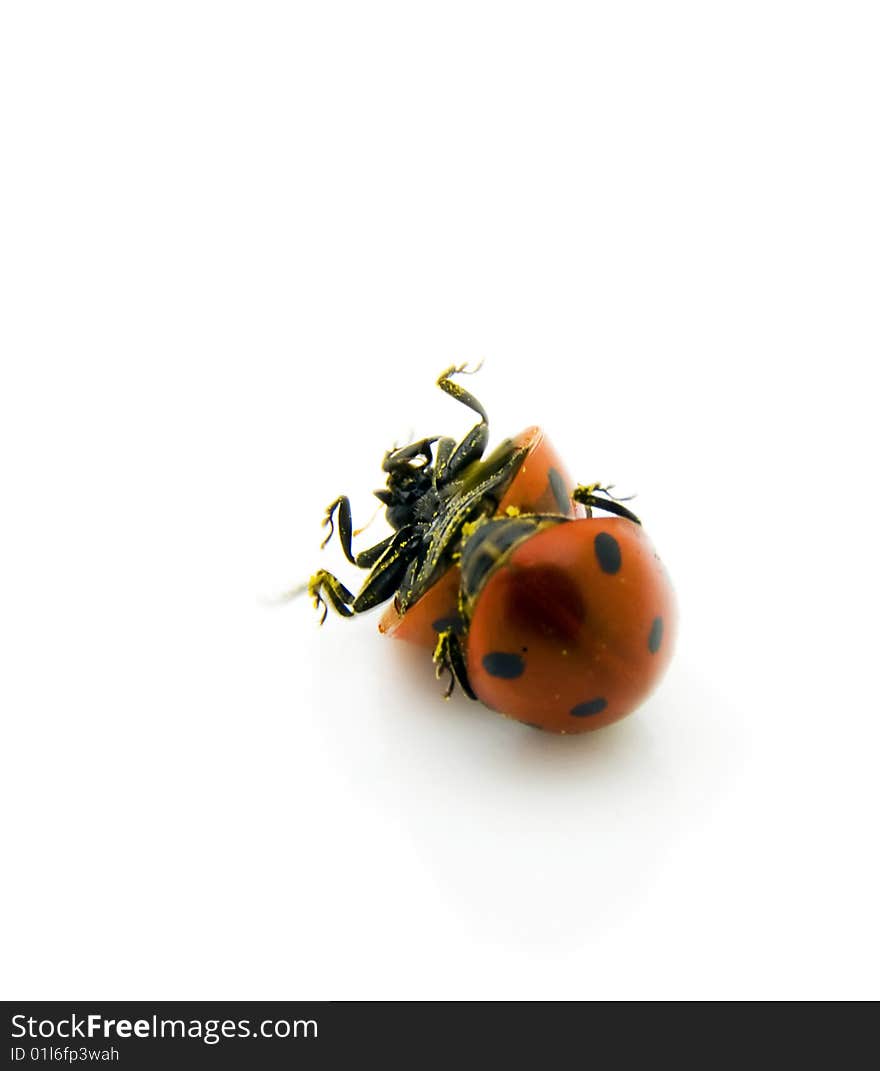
<point x="534" y="606"/>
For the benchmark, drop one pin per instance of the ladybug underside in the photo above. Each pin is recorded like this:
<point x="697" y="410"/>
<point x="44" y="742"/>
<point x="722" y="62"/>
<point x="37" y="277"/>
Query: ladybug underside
<point x="439" y="497"/>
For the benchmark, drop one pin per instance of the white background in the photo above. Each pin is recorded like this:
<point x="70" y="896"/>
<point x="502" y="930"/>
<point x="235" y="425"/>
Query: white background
<point x="239" y="242"/>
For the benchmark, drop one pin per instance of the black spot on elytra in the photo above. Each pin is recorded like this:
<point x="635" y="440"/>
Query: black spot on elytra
<point x="607" y="552"/>
<point x="592" y="706"/>
<point x="442" y="624"/>
<point x="655" y="636"/>
<point x="560" y="491"/>
<point x="504" y="665"/>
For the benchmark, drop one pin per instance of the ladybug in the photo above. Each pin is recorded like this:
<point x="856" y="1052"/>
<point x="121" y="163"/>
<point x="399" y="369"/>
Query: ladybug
<point x="531" y="604"/>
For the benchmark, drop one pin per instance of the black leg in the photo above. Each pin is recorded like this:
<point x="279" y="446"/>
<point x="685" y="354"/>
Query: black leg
<point x="455" y="390"/>
<point x="473" y="445"/>
<point x="343" y="505"/>
<point x="326" y="590"/>
<point x="366" y="558"/>
<point x="387" y="573"/>
<point x="595" y="496"/>
<point x="444" y="451"/>
<point x="403" y="456"/>
<point x="449" y="658"/>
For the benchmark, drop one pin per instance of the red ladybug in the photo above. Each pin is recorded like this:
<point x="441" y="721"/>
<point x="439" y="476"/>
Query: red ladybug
<point x="568" y="624"/>
<point x="543" y="612"/>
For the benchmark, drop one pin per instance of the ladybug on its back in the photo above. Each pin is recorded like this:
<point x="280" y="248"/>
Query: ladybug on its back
<point x="543" y="612"/>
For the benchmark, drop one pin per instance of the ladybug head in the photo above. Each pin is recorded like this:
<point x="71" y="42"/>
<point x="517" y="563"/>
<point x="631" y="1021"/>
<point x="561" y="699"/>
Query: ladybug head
<point x="410" y="482"/>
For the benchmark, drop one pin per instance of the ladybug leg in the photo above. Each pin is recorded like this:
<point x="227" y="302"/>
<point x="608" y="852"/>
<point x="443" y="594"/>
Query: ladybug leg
<point x="343" y="505"/>
<point x="366" y="559"/>
<point x="388" y="570"/>
<point x="326" y="590"/>
<point x="471" y="448"/>
<point x="445" y="450"/>
<point x="449" y="658"/>
<point x="404" y="455"/>
<point x="595" y="496"/>
<point x="473" y="445"/>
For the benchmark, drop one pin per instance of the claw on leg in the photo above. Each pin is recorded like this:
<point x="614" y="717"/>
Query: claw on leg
<point x="448" y="658"/>
<point x="453" y="459"/>
<point x="459" y="370"/>
<point x="325" y="590"/>
<point x="329" y="514"/>
<point x="446" y="384"/>
<point x="442" y="664"/>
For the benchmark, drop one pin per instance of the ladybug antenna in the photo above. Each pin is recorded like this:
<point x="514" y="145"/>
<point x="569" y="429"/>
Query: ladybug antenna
<point x="364" y="527"/>
<point x="398" y="446"/>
